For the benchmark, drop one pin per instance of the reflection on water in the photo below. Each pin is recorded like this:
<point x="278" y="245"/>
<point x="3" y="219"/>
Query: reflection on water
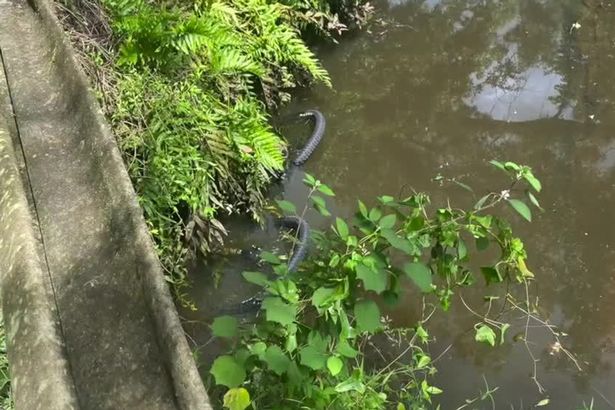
<point x="442" y="87"/>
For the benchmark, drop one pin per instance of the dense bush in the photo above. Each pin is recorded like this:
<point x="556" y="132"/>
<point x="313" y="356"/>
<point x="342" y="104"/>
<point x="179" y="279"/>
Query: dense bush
<point x="193" y="81"/>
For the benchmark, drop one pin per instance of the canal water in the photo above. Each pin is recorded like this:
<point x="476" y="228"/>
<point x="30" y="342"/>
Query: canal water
<point x="432" y="92"/>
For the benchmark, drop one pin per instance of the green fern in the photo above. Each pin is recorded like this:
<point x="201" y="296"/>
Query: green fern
<point x="191" y="123"/>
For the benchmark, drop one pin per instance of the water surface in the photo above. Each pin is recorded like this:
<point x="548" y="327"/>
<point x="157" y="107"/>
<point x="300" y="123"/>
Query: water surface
<point x="440" y="88"/>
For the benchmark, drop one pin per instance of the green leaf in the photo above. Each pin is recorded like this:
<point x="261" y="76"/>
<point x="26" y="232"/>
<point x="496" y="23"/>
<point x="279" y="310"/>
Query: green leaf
<point x="363" y="210"/>
<point x="491" y="274"/>
<point x="228" y="372"/>
<point x="322" y="295"/>
<point x="287" y="206"/>
<point x="512" y="165"/>
<point x="533" y="200"/>
<point x="543" y="402"/>
<point x="270" y="258"/>
<point x="386" y="199"/>
<point x="497" y="164"/>
<point x="367" y="315"/>
<point x="388" y="221"/>
<point x="433" y="390"/>
<point x="335" y="365"/>
<point x="420" y="275"/>
<point x="481" y="202"/>
<point x="350" y="384"/>
<point x="521" y="208"/>
<point x="503" y="330"/>
<point x="344" y="348"/>
<point x="374" y="215"/>
<point x="319" y="201"/>
<point x="533" y="181"/>
<point x="484" y="334"/>
<point x="423" y="362"/>
<point x="313" y="357"/>
<point x="375" y="280"/>
<point x="334" y="261"/>
<point x="276" y="359"/>
<point x="225" y="326"/>
<point x="257" y="278"/>
<point x="462" y="250"/>
<point x="309" y="180"/>
<point x="291" y="338"/>
<point x="237" y="399"/>
<point x="342" y="228"/>
<point x="326" y="190"/>
<point x="397" y="242"/>
<point x="401" y="406"/>
<point x="278" y="311"/>
<point x="258" y="349"/>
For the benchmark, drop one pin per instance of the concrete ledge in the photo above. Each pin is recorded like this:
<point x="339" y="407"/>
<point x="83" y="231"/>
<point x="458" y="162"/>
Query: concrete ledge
<point x="35" y="350"/>
<point x="40" y="373"/>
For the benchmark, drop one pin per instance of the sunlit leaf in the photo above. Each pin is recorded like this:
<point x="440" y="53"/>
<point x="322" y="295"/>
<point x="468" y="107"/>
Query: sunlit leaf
<point x="484" y="334"/>
<point x="543" y="402"/>
<point x="236" y="399"/>
<point x="335" y="365"/>
<point x="525" y="272"/>
<point x="423" y="362"/>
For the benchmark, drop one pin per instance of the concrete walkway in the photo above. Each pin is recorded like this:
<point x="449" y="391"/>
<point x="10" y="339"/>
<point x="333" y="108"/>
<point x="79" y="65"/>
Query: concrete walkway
<point x="100" y="306"/>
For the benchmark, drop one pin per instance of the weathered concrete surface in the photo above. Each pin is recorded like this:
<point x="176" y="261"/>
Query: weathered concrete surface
<point x="41" y="377"/>
<point x="123" y="342"/>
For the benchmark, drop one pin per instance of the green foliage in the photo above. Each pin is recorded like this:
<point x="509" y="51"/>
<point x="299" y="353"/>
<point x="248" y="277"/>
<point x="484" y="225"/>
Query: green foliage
<point x="311" y="346"/>
<point x="6" y="401"/>
<point x="193" y="83"/>
<point x="237" y="399"/>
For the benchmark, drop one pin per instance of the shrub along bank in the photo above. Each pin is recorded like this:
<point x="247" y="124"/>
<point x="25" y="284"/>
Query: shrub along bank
<point x="187" y="87"/>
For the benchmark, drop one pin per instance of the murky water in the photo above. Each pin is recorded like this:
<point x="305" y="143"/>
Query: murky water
<point x="441" y="87"/>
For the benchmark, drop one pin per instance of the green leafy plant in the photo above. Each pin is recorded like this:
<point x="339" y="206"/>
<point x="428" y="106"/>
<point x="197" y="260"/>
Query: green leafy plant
<point x="313" y="343"/>
<point x="191" y="86"/>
